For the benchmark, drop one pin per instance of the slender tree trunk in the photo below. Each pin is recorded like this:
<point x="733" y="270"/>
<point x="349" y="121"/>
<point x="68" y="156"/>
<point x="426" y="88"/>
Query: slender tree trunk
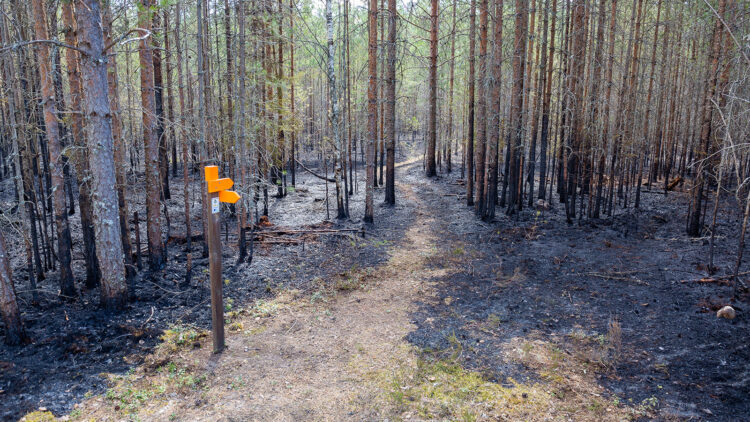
<point x="646" y="120"/>
<point x="23" y="194"/>
<point x="185" y="148"/>
<point x="390" y="106"/>
<point x="349" y="141"/>
<point x="432" y="123"/>
<point x="67" y="288"/>
<point x="544" y="135"/>
<point x="516" y="106"/>
<point x="337" y="139"/>
<point x="576" y="88"/>
<point x="493" y="124"/>
<point x="151" y="140"/>
<point x="472" y="83"/>
<point x="704" y="145"/>
<point x="481" y="146"/>
<point x="241" y="154"/>
<point x="293" y="146"/>
<point x="449" y="154"/>
<point x="159" y="107"/>
<point x="372" y="109"/>
<point x="604" y="117"/>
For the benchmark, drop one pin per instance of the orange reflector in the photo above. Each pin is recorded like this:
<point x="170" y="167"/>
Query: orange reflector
<point x="229" y="196"/>
<point x="211" y="173"/>
<point x="219" y="185"/>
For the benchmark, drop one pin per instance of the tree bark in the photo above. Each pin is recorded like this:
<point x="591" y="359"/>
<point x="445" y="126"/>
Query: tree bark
<point x="54" y="149"/>
<point x="390" y="106"/>
<point x="372" y="109"/>
<point x="151" y="141"/>
<point x="451" y="75"/>
<point x="101" y="152"/>
<point x="493" y="125"/>
<point x="704" y="144"/>
<point x="119" y="152"/>
<point x="334" y="116"/>
<point x="80" y="152"/>
<point x="14" y="331"/>
<point x="516" y="107"/>
<point x="481" y="146"/>
<point x="432" y="119"/>
<point x="472" y="83"/>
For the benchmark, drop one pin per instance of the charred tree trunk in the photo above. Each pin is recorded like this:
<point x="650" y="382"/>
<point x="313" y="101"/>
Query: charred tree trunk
<point x="472" y="83"/>
<point x="101" y="152"/>
<point x="54" y="150"/>
<point x="481" y="146"/>
<point x="516" y="107"/>
<point x="80" y="154"/>
<point x="493" y="124"/>
<point x="704" y="144"/>
<point x="390" y="106"/>
<point x="448" y="152"/>
<point x="432" y="123"/>
<point x="151" y="140"/>
<point x="372" y="109"/>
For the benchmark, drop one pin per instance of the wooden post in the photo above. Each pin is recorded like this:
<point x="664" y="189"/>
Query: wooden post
<point x="217" y="193"/>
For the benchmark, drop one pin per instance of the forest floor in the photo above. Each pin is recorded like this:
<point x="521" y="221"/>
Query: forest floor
<point x="434" y="315"/>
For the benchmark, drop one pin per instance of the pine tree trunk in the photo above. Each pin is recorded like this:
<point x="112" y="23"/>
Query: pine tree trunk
<point x="390" y="106"/>
<point x="372" y="109"/>
<point x="432" y="118"/>
<point x="119" y="152"/>
<point x="151" y="141"/>
<point x="185" y="149"/>
<point x="493" y="123"/>
<point x="54" y="150"/>
<point x="704" y="145"/>
<point x="80" y="152"/>
<point x="159" y="108"/>
<point x="101" y="152"/>
<point x="481" y="146"/>
<point x="449" y="153"/>
<point x="472" y="83"/>
<point x="516" y="106"/>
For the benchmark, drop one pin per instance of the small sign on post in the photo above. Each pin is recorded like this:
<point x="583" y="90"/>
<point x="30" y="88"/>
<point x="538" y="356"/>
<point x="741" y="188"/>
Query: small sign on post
<point x="217" y="193"/>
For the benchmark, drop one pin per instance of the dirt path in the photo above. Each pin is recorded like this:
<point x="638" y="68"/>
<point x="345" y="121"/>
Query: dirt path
<point x="308" y="362"/>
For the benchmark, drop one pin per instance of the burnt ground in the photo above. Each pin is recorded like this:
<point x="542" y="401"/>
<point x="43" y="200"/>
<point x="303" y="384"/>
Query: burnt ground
<point x="534" y="275"/>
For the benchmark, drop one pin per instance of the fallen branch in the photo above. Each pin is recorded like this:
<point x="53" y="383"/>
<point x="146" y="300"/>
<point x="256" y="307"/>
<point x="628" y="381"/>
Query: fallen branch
<point x="313" y="173"/>
<point x="618" y="276"/>
<point x="719" y="278"/>
<point x="310" y="231"/>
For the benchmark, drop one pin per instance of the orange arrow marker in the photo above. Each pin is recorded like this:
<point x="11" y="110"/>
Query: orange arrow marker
<point x="211" y="173"/>
<point x="219" y="185"/>
<point x="229" y="196"/>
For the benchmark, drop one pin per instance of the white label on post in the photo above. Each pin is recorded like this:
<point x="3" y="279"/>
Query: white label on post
<point x="214" y="205"/>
